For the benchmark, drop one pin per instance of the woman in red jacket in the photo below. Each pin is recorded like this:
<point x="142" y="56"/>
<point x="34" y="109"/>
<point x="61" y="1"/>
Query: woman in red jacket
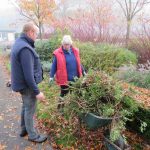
<point x="66" y="66"/>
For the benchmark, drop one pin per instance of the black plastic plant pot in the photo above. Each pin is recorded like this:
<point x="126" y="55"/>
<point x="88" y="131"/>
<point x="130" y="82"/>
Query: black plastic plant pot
<point x="113" y="146"/>
<point x="94" y="121"/>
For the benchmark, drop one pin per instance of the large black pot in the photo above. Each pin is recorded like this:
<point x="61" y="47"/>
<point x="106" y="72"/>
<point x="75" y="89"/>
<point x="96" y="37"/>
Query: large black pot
<point x="94" y="121"/>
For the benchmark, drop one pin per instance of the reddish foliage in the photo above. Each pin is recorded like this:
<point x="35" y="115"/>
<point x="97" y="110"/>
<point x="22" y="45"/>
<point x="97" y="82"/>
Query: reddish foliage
<point x="140" y="43"/>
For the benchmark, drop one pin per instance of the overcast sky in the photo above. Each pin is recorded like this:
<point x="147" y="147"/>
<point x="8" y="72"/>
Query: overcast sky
<point x="5" y="4"/>
<point x="9" y="14"/>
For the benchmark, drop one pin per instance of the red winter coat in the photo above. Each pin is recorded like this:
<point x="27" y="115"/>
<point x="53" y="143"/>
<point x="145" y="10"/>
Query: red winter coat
<point x="61" y="73"/>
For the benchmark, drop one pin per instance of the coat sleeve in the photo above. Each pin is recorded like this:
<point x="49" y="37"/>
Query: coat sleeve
<point x="53" y="68"/>
<point x="27" y="63"/>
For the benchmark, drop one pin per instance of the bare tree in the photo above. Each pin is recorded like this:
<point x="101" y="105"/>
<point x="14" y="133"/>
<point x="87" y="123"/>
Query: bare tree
<point x="130" y="9"/>
<point x="38" y="11"/>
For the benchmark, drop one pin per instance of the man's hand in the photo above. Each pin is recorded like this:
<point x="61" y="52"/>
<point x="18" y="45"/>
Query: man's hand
<point x="40" y="96"/>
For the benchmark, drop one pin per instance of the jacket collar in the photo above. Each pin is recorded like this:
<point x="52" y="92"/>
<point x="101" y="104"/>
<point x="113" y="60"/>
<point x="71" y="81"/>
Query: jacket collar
<point x="65" y="51"/>
<point x="26" y="38"/>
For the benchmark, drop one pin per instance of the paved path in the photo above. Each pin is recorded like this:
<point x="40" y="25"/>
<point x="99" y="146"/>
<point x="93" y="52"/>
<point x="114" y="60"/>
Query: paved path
<point x="10" y="105"/>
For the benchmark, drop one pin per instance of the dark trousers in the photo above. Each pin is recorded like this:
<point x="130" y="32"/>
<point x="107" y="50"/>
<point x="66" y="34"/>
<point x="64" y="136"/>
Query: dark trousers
<point x="64" y="90"/>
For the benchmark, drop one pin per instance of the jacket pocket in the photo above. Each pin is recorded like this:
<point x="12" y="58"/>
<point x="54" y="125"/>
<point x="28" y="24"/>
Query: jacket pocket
<point x="38" y="77"/>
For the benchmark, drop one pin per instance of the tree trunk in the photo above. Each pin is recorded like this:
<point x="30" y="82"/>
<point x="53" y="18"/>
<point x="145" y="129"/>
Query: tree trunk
<point x="43" y="32"/>
<point x="128" y="33"/>
<point x="40" y="31"/>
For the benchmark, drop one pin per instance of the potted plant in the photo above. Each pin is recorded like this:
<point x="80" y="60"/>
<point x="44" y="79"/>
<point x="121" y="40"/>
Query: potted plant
<point x="99" y="100"/>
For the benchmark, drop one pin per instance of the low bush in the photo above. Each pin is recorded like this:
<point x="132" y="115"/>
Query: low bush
<point x="46" y="65"/>
<point x="98" y="57"/>
<point x="103" y="96"/>
<point x="141" y="116"/>
<point x="66" y="130"/>
<point x="140" y="78"/>
<point x="45" y="48"/>
<point x="105" y="57"/>
<point x="141" y="46"/>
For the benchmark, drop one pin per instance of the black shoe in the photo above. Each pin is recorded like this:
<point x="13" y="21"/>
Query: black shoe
<point x="23" y="133"/>
<point x="39" y="139"/>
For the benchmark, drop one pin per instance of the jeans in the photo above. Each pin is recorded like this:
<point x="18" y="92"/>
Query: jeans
<point x="27" y="113"/>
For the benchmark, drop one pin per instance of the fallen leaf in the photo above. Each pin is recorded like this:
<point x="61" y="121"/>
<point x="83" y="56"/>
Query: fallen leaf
<point x="2" y="147"/>
<point x="1" y="118"/>
<point x="28" y="148"/>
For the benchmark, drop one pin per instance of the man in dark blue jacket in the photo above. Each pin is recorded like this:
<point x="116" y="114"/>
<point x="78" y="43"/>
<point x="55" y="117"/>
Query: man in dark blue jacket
<point x="26" y="73"/>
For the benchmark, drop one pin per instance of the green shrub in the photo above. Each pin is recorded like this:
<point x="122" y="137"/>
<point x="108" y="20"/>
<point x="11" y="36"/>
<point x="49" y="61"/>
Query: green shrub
<point x="51" y="93"/>
<point x="105" y="57"/>
<point x="101" y="95"/>
<point x="135" y="77"/>
<point x="63" y="129"/>
<point x="141" y="116"/>
<point x="96" y="92"/>
<point x="45" y="48"/>
<point x="46" y="65"/>
<point x="98" y="57"/>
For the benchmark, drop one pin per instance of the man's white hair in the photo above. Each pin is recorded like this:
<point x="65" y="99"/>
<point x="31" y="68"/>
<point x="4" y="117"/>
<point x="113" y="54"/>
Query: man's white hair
<point x="66" y="40"/>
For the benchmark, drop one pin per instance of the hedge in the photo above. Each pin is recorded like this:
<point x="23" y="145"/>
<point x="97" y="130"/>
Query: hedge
<point x="98" y="57"/>
<point x="105" y="57"/>
<point x="141" y="115"/>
